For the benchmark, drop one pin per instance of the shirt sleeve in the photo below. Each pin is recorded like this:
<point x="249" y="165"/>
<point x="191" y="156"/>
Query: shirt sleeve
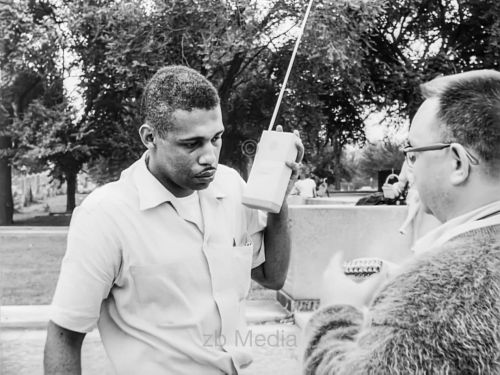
<point x="89" y="267"/>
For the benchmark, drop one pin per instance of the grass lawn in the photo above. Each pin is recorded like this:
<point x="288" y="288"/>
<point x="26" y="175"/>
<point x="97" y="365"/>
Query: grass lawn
<point x="29" y="268"/>
<point x="29" y="264"/>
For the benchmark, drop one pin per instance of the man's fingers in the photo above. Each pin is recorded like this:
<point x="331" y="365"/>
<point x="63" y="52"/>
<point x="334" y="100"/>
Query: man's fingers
<point x="300" y="151"/>
<point x="295" y="167"/>
<point x="299" y="145"/>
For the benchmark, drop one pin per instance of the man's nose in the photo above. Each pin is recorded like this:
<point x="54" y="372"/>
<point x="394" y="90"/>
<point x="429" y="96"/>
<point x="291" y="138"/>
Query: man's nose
<point x="209" y="155"/>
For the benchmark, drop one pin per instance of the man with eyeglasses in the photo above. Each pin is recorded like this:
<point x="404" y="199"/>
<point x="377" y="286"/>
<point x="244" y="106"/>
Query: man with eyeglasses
<point x="440" y="312"/>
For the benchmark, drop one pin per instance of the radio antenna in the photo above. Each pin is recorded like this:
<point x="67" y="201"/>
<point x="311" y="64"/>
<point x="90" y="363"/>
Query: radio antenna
<point x="290" y="64"/>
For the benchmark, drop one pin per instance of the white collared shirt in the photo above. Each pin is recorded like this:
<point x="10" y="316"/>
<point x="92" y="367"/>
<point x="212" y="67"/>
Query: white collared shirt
<point x="167" y="297"/>
<point x="481" y="217"/>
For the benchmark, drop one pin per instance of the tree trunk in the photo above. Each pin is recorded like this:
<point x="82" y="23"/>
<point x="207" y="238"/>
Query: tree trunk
<point x="338" y="185"/>
<point x="70" y="191"/>
<point x="6" y="201"/>
<point x="337" y="168"/>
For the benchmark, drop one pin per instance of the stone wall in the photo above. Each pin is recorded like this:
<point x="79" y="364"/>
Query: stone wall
<point x="318" y="231"/>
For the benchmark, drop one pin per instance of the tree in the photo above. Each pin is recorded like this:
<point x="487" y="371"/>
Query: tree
<point x="384" y="155"/>
<point x="6" y="202"/>
<point x="356" y="57"/>
<point x="372" y="56"/>
<point x="19" y="85"/>
<point x="408" y="42"/>
<point x="34" y="94"/>
<point x="52" y="137"/>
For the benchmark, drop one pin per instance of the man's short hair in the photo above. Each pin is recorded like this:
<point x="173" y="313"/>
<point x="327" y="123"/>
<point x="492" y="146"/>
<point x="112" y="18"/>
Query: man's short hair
<point x="172" y="88"/>
<point x="469" y="108"/>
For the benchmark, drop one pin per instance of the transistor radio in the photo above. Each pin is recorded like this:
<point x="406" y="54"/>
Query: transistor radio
<point x="269" y="176"/>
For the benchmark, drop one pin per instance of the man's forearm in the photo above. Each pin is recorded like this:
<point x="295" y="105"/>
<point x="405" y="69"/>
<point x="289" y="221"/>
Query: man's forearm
<point x="272" y="273"/>
<point x="62" y="353"/>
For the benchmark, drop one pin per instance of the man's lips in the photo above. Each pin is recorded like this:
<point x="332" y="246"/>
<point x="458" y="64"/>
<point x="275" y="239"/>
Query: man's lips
<point x="206" y="174"/>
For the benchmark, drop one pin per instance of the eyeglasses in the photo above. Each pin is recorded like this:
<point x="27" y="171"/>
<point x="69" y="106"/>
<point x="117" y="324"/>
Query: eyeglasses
<point x="411" y="156"/>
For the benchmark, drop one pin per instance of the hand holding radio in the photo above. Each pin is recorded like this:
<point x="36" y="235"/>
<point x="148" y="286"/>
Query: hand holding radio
<point x="278" y="155"/>
<point x="294" y="165"/>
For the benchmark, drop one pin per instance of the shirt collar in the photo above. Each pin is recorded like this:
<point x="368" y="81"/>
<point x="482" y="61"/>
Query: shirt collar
<point x="461" y="224"/>
<point x="152" y="193"/>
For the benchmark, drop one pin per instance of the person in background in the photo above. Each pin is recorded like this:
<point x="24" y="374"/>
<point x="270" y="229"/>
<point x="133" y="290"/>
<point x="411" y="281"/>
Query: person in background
<point x="322" y="190"/>
<point x="161" y="259"/>
<point x="417" y="221"/>
<point x="305" y="186"/>
<point x="440" y="312"/>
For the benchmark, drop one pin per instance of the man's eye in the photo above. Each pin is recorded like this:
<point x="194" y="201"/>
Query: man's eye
<point x="190" y="145"/>
<point x="215" y="139"/>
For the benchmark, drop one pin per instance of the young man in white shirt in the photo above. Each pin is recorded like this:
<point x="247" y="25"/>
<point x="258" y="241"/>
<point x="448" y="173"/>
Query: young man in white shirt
<point x="161" y="259"/>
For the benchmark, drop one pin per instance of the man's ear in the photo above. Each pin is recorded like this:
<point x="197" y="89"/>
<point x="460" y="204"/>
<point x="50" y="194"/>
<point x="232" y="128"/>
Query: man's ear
<point x="147" y="135"/>
<point x="461" y="164"/>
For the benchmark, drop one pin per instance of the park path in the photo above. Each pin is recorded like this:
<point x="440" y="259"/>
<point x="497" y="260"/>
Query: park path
<point x="276" y="350"/>
<point x="275" y="340"/>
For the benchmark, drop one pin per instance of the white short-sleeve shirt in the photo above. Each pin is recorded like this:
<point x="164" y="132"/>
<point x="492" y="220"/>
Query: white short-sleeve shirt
<point x="305" y="187"/>
<point x="167" y="297"/>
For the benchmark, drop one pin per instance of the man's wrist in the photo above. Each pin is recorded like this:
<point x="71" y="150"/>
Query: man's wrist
<point x="284" y="207"/>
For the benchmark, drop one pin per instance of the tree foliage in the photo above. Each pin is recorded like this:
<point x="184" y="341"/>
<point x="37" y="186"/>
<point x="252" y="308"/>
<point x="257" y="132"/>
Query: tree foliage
<point x="409" y="42"/>
<point x="121" y="44"/>
<point x="371" y="56"/>
<point x="385" y="155"/>
<point x="41" y="121"/>
<point x="356" y="57"/>
<point x="52" y="137"/>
